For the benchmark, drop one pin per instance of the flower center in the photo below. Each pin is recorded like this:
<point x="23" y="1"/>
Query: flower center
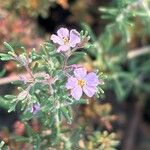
<point x="66" y="40"/>
<point x="81" y="82"/>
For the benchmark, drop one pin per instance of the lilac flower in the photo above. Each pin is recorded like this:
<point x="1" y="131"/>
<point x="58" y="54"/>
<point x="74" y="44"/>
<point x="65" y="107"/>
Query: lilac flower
<point x="66" y="39"/>
<point x="35" y="108"/>
<point x="82" y="82"/>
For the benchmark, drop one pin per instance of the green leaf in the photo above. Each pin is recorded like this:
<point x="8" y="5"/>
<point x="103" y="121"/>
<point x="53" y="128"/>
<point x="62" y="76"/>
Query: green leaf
<point x="4" y="103"/>
<point x="1" y="144"/>
<point x="5" y="57"/>
<point x="51" y="120"/>
<point x="29" y="131"/>
<point x="8" y="47"/>
<point x="23" y="95"/>
<point x="2" y="73"/>
<point x="87" y="28"/>
<point x="37" y="142"/>
<point x="77" y="56"/>
<point x="12" y="107"/>
<point x="18" y="138"/>
<point x="10" y="96"/>
<point x="81" y="101"/>
<point x="66" y="114"/>
<point x="123" y="83"/>
<point x="111" y="11"/>
<point x="26" y="116"/>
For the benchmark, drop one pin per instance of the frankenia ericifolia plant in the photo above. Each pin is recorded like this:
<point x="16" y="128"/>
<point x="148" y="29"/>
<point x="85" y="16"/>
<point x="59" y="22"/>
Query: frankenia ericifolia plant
<point x="52" y="82"/>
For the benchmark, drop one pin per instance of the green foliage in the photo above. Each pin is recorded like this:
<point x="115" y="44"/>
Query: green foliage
<point x="2" y="72"/>
<point x="103" y="141"/>
<point x="1" y="144"/>
<point x="111" y="48"/>
<point x="43" y="88"/>
<point x="48" y="71"/>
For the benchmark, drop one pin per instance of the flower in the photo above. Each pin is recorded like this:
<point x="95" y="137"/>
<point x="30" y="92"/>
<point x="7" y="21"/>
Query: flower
<point x="66" y="39"/>
<point x="35" y="108"/>
<point x="82" y="82"/>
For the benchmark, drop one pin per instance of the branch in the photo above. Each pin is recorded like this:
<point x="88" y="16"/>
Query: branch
<point x="138" y="52"/>
<point x="12" y="78"/>
<point x="131" y="54"/>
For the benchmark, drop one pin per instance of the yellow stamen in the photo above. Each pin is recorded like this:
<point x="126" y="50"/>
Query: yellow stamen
<point x="66" y="40"/>
<point x="81" y="83"/>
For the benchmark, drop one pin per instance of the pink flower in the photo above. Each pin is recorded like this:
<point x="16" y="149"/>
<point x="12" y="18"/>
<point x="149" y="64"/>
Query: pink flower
<point x="66" y="39"/>
<point x="82" y="82"/>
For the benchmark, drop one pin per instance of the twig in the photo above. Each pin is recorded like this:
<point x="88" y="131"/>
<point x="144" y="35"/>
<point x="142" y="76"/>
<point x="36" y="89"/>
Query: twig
<point x="12" y="78"/>
<point x="138" y="52"/>
<point x="15" y="77"/>
<point x="131" y="54"/>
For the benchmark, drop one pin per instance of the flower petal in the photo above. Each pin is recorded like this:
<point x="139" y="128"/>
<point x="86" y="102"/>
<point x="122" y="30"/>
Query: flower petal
<point x="80" y="73"/>
<point x="74" y="38"/>
<point x="35" y="108"/>
<point x="92" y="79"/>
<point x="63" y="32"/>
<point x="71" y="83"/>
<point x="57" y="39"/>
<point x="63" y="48"/>
<point x="89" y="91"/>
<point x="76" y="92"/>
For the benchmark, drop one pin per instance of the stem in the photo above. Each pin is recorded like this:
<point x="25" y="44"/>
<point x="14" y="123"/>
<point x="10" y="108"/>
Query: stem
<point x="12" y="78"/>
<point x="26" y="65"/>
<point x="65" y="65"/>
<point x="29" y="71"/>
<point x="65" y="62"/>
<point x="138" y="52"/>
<point x="57" y="125"/>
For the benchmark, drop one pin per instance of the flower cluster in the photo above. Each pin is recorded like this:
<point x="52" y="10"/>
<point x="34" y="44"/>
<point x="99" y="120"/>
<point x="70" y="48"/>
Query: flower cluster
<point x="59" y="82"/>
<point x="53" y="81"/>
<point x="81" y="81"/>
